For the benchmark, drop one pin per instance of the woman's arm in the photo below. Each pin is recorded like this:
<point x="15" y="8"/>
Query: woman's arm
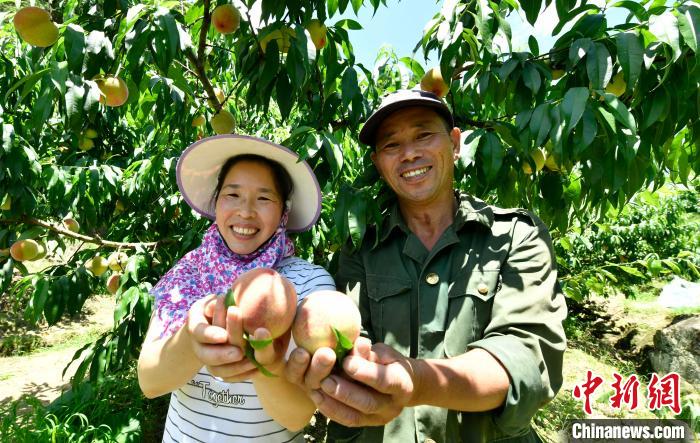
<point x="285" y="402"/>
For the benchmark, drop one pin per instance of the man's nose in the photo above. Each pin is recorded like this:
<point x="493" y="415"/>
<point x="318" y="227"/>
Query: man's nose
<point x="410" y="151"/>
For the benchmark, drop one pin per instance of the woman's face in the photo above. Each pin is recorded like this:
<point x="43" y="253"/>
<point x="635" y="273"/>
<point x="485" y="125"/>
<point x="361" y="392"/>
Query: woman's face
<point x="249" y="207"/>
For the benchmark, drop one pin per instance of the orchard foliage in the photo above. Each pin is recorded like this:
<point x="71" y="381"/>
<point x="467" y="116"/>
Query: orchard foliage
<point x="64" y="154"/>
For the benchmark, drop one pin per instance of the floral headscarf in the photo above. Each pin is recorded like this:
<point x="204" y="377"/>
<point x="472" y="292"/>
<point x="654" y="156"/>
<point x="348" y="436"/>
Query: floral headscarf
<point x="211" y="269"/>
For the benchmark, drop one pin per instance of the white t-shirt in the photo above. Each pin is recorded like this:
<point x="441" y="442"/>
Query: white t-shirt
<point x="209" y="410"/>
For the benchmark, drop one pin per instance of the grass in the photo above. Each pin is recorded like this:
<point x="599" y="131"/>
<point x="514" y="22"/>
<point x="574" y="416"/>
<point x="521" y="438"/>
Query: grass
<point x="113" y="411"/>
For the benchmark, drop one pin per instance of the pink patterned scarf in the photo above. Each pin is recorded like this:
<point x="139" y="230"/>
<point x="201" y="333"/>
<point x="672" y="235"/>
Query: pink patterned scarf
<point x="210" y="269"/>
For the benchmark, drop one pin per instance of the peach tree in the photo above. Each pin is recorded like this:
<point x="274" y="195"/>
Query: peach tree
<point x="100" y="98"/>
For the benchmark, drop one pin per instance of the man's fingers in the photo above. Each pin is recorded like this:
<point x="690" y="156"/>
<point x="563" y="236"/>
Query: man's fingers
<point x="321" y="366"/>
<point x="335" y="410"/>
<point x="388" y="379"/>
<point x="363" y="348"/>
<point x="234" y="326"/>
<point x="353" y="395"/>
<point x="296" y="367"/>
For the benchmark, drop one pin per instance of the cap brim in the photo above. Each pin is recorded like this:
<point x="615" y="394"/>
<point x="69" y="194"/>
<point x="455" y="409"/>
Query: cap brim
<point x="199" y="165"/>
<point x="368" y="131"/>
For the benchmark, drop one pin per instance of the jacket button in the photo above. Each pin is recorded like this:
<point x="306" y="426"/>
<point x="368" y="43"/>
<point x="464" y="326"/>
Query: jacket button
<point x="432" y="278"/>
<point x="482" y="288"/>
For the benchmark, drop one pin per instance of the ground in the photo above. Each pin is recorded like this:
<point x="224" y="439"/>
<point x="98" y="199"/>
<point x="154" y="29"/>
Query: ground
<point x="40" y="372"/>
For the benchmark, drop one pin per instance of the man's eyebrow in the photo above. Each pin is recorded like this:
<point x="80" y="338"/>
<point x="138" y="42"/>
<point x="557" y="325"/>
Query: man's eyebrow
<point x="419" y="125"/>
<point x="236" y="186"/>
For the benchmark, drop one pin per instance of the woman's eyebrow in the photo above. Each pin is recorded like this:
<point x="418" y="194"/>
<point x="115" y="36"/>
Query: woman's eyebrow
<point x="236" y="186"/>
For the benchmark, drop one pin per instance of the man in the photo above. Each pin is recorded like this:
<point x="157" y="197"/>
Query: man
<point x="460" y="302"/>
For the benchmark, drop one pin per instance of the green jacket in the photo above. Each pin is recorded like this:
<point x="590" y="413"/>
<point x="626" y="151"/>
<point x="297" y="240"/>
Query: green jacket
<point x="489" y="282"/>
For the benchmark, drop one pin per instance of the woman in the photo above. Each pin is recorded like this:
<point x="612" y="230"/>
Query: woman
<point x="255" y="191"/>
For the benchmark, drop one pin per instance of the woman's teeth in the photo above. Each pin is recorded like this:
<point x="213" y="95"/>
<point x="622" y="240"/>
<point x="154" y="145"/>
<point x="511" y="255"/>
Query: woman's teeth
<point x="415" y="172"/>
<point x="244" y="231"/>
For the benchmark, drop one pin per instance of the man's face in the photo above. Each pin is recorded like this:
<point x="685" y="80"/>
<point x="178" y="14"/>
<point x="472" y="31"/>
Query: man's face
<point x="415" y="155"/>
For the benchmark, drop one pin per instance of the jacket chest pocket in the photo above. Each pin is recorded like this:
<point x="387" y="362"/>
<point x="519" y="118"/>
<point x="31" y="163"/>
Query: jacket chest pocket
<point x="469" y="312"/>
<point x="390" y="309"/>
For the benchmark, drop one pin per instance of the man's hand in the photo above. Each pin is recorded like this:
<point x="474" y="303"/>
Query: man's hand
<point x="378" y="383"/>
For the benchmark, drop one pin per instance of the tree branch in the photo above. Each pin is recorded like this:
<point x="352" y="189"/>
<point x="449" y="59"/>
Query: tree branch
<point x="86" y="238"/>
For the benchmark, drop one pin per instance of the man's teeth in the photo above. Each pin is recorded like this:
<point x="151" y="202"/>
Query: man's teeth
<point x="244" y="231"/>
<point x="415" y="172"/>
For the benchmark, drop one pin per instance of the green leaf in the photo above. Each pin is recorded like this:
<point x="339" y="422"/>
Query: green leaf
<point x="74" y="41"/>
<point x="689" y="26"/>
<point x="653" y="109"/>
<point x="229" y="298"/>
<point x="533" y="45"/>
<point x="630" y="55"/>
<point x="342" y="347"/>
<point x="259" y="344"/>
<point x="492" y="153"/>
<point x="540" y="123"/>
<point x="573" y="105"/>
<point x="665" y="28"/>
<point x="598" y="66"/>
<point x="29" y="83"/>
<point x="349" y="85"/>
<point x="632" y="271"/>
<point x="532" y="9"/>
<point x="348" y="24"/>
<point x="250" y="355"/>
<point x="579" y="49"/>
<point x="356" y="4"/>
<point x="634" y="7"/>
<point x="620" y="111"/>
<point x="531" y="77"/>
<point x="284" y="95"/>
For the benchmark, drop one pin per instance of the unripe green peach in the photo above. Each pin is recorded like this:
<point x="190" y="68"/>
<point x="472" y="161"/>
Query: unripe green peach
<point x="117" y="261"/>
<point x="98" y="265"/>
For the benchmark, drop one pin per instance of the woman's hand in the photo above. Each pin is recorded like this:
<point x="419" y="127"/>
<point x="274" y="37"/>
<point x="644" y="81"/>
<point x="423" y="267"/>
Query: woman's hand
<point x="206" y="326"/>
<point x="230" y="323"/>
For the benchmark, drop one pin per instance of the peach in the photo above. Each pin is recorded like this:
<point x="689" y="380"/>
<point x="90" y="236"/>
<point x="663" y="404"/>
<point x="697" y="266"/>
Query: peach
<point x="117" y="261"/>
<point x="24" y="250"/>
<point x="432" y="82"/>
<point x="223" y="122"/>
<point x="71" y="224"/>
<point x="114" y="91"/>
<point x="226" y="19"/>
<point x="198" y="121"/>
<point x="317" y="31"/>
<point x="220" y="98"/>
<point x="35" y="27"/>
<point x="113" y="283"/>
<point x="319" y="315"/>
<point x="97" y="265"/>
<point x="266" y="300"/>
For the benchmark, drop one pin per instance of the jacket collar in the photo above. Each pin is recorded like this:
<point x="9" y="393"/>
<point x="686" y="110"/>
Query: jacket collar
<point x="469" y="209"/>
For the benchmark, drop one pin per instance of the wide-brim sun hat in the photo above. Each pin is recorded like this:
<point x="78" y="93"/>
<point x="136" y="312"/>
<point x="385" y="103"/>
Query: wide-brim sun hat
<point x="400" y="99"/>
<point x="199" y="166"/>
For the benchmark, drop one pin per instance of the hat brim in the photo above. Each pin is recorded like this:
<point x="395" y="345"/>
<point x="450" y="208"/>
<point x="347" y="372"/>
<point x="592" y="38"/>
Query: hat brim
<point x="367" y="133"/>
<point x="199" y="165"/>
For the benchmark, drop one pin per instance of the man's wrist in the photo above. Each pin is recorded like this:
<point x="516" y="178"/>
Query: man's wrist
<point x="418" y="369"/>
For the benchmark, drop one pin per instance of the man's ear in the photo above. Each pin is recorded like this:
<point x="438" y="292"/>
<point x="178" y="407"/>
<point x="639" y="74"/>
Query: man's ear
<point x="455" y="135"/>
